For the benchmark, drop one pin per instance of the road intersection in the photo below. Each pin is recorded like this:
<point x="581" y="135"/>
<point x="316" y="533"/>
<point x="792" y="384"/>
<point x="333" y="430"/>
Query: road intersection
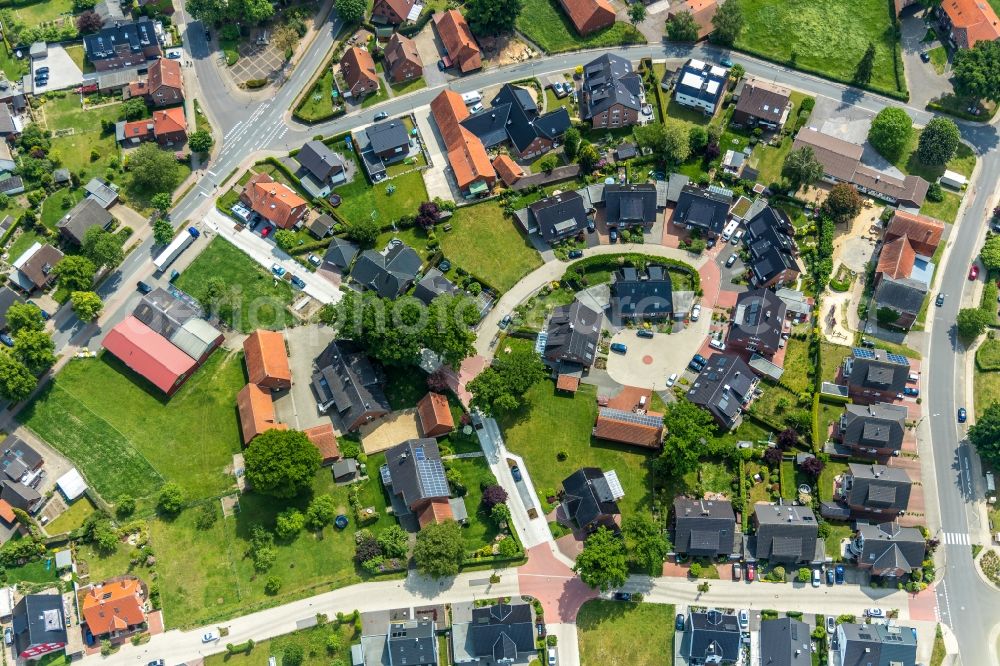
<point x="248" y="128"/>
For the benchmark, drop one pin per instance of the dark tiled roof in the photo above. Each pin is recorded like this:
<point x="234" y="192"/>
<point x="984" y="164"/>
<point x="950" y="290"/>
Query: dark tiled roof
<point x="340" y="253"/>
<point x="759" y="317"/>
<point x="8" y="297"/>
<point x="412" y="643"/>
<point x="607" y="81"/>
<point x="702" y="80"/>
<point x="785" y="641"/>
<point x="388" y="274"/>
<point x="38" y="619"/>
<point x="879" y="487"/>
<point x="81" y="217"/>
<point x="514" y="116"/>
<point x="877" y="369"/>
<point x="646" y="294"/>
<point x="387" y="136"/>
<point x="432" y="285"/>
<point x="630" y="204"/>
<point x="877" y="645"/>
<point x="890" y="547"/>
<point x="502" y="631"/>
<point x="878" y="426"/>
<point x="704" y="527"/>
<point x="785" y="533"/>
<point x="704" y="209"/>
<point x="724" y="385"/>
<point x="559" y="216"/>
<point x="588" y="496"/>
<point x="490" y="125"/>
<point x="769" y="238"/>
<point x="416" y="470"/>
<point x="711" y="634"/>
<point x="349" y="383"/>
<point x="904" y="295"/>
<point x="319" y="160"/>
<point x="101" y="45"/>
<point x="573" y="334"/>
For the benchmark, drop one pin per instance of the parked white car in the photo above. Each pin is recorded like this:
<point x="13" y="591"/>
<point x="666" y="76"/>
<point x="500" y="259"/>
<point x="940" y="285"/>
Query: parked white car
<point x="696" y="312"/>
<point x="672" y="379"/>
<point x="716" y="343"/>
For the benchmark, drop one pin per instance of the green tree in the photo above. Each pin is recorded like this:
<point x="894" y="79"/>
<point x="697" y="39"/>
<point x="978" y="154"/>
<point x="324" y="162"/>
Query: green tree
<point x="153" y="168"/>
<point x="727" y="23"/>
<point x="804" y="574"/>
<point x="990" y="254"/>
<point x="394" y="541"/>
<point x="170" y="501"/>
<point x="636" y="13"/>
<point x="801" y="167"/>
<point x="25" y="317"/>
<point x="971" y="322"/>
<point x="35" y="349"/>
<point x="843" y="203"/>
<point x="603" y="563"/>
<point x="351" y="11"/>
<point x="501" y="387"/>
<point x="863" y="72"/>
<point x="86" y="304"/>
<point x="285" y="239"/>
<point x="363" y="231"/>
<point x="985" y="434"/>
<point x="508" y="548"/>
<point x="258" y="11"/>
<point x="75" y="273"/>
<point x="887" y="316"/>
<point x="161" y="201"/>
<point x="587" y="157"/>
<point x="669" y="140"/>
<point x="125" y="506"/>
<point x="163" y="232"/>
<point x="292" y="655"/>
<point x="976" y="71"/>
<point x="890" y="132"/>
<point x="321" y="512"/>
<point x="289" y="523"/>
<point x="689" y="428"/>
<point x="102" y="248"/>
<point x="16" y="381"/>
<point x="281" y="463"/>
<point x="439" y="550"/>
<point x="682" y="27"/>
<point x="492" y="17"/>
<point x="200" y="141"/>
<point x="134" y="108"/>
<point x="938" y="141"/>
<point x="571" y="143"/>
<point x="697" y="139"/>
<point x="645" y="543"/>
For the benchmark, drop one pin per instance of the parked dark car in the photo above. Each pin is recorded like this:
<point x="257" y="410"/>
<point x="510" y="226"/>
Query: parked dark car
<point x="644" y="333"/>
<point x="829" y="576"/>
<point x="699" y="359"/>
<point x="45" y="315"/>
<point x="679" y="622"/>
<point x="925" y="56"/>
<point x="909" y="390"/>
<point x="505" y="322"/>
<point x="623" y="596"/>
<point x="962" y="415"/>
<point x="298" y="282"/>
<point x="731" y="260"/>
<point x="515" y="472"/>
<point x="381" y="115"/>
<point x="939" y="301"/>
<point x="839" y="574"/>
<point x="441" y="65"/>
<point x="143" y="287"/>
<point x="575" y="254"/>
<point x="6" y="339"/>
<point x="619" y="348"/>
<point x="613" y="236"/>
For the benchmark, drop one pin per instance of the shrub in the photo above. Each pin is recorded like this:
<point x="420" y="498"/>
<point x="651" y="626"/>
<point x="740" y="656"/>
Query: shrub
<point x="272" y="585"/>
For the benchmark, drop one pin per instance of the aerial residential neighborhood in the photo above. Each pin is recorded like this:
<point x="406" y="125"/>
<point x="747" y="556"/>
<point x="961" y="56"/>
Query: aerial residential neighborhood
<point x="538" y="332"/>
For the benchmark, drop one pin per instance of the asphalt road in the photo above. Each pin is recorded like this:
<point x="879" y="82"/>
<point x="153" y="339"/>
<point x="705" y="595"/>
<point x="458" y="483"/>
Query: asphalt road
<point x="247" y="127"/>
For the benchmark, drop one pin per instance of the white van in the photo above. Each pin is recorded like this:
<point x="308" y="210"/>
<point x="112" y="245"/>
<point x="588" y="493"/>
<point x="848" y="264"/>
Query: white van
<point x="472" y="97"/>
<point x="728" y="231"/>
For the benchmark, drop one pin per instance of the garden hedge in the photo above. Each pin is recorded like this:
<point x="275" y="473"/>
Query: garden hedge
<point x="611" y="262"/>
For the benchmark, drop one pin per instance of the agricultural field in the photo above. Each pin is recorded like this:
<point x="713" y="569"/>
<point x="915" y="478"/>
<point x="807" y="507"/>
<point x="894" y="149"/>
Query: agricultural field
<point x="544" y="23"/>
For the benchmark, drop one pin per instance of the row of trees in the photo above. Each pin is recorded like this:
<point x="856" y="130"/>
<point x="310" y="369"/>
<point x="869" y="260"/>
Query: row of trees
<point x="727" y="25"/>
<point x="607" y="557"/>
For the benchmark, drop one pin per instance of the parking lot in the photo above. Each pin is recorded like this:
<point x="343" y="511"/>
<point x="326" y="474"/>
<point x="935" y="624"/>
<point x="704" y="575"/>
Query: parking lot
<point x="297" y="406"/>
<point x="257" y="61"/>
<point x="649" y="362"/>
<point x="63" y="72"/>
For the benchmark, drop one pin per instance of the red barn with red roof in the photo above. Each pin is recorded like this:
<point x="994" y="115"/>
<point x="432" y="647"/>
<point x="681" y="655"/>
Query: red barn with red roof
<point x="149" y="354"/>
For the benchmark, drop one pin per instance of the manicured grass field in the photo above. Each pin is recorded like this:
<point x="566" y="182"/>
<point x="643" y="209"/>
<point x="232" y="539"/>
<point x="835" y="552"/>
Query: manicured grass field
<point x="988" y="354"/>
<point x="553" y="422"/>
<point x="830" y="472"/>
<point x="126" y="439"/>
<point x="262" y="300"/>
<point x="613" y="633"/>
<point x="72" y="518"/>
<point x="360" y="197"/>
<point x="380" y="96"/>
<point x="489" y="245"/>
<point x="53" y="208"/>
<point x="40" y="11"/>
<point x="829" y="37"/>
<point x="987" y="388"/>
<point x="939" y="58"/>
<point x="79" y="57"/>
<point x="797" y="364"/>
<point x="405" y="87"/>
<point x="963" y="162"/>
<point x="74" y="149"/>
<point x="25" y="239"/>
<point x="313" y="642"/>
<point x="318" y="104"/>
<point x="475" y="472"/>
<point x="945" y="210"/>
<point x="769" y="160"/>
<point x="838" y="532"/>
<point x="831" y="356"/>
<point x="544" y="23"/>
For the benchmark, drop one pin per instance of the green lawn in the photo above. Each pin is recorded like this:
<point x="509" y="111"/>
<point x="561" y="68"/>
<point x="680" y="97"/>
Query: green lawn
<point x="41" y="11"/>
<point x="553" y="422"/>
<point x="405" y="87"/>
<point x="262" y="300"/>
<point x="963" y="162"/>
<point x="838" y="532"/>
<point x="988" y="354"/>
<point x="313" y="642"/>
<point x="71" y="518"/>
<point x="552" y="102"/>
<point x="74" y="149"/>
<point x="769" y="160"/>
<point x="776" y="404"/>
<point x="489" y="245"/>
<point x="13" y="67"/>
<point x="826" y="36"/>
<point x="380" y="96"/>
<point x="945" y="210"/>
<point x="34" y="572"/>
<point x="318" y="104"/>
<point x="613" y="632"/>
<point x="475" y="473"/>
<point x="546" y="24"/>
<point x="127" y="440"/>
<point x="25" y="239"/>
<point x="939" y="58"/>
<point x="360" y="197"/>
<point x="987" y="388"/>
<point x="55" y="206"/>
<point x="831" y="358"/>
<point x="831" y="471"/>
<point x="797" y="365"/>
<point x="79" y="57"/>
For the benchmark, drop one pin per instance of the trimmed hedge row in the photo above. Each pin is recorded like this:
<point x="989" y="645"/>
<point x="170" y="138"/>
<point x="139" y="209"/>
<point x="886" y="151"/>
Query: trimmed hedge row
<point x="633" y="259"/>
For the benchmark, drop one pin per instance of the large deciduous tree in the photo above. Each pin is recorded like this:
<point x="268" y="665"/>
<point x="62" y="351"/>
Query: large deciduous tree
<point x="971" y="322"/>
<point x="682" y="27"/>
<point x="603" y="563"/>
<point x="688" y="427"/>
<point x="990" y="254"/>
<point x="86" y="304"/>
<point x="281" y="463"/>
<point x="35" y="350"/>
<point x="727" y="23"/>
<point x="492" y="17"/>
<point x="501" y="387"/>
<point x="976" y="71"/>
<point x="801" y="167"/>
<point x="439" y="549"/>
<point x="200" y="141"/>
<point x="351" y="11"/>
<point x="25" y="317"/>
<point x="938" y="141"/>
<point x="645" y="543"/>
<point x="153" y="168"/>
<point x="89" y="22"/>
<point x="636" y="13"/>
<point x="890" y="132"/>
<point x="16" y="381"/>
<point x="985" y="434"/>
<point x="843" y="202"/>
<point x="163" y="232"/>
<point x="102" y="247"/>
<point x="669" y="140"/>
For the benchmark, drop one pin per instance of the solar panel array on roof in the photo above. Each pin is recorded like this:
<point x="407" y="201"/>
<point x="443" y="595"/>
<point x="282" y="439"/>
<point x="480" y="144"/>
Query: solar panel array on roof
<point x="896" y="358"/>
<point x="632" y="417"/>
<point x="861" y="352"/>
<point x="432" y="478"/>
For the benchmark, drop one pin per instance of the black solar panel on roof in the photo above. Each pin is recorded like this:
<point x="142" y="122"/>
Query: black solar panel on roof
<point x="632" y="417"/>
<point x="432" y="478"/>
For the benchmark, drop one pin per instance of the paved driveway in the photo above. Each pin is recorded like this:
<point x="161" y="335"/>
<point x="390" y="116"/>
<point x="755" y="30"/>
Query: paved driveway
<point x="649" y="362"/>
<point x="435" y="177"/>
<point x="63" y="72"/>
<point x="297" y="406"/>
<point x="923" y="82"/>
<point x="430" y="52"/>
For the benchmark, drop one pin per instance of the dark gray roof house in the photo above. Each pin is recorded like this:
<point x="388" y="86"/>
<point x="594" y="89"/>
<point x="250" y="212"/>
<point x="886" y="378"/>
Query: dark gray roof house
<point x="321" y="226"/>
<point x="39" y="625"/>
<point x="573" y="333"/>
<point x="499" y="634"/>
<point x="559" y="216"/>
<point x="630" y="205"/>
<point x="905" y="296"/>
<point x="785" y="641"/>
<point x="19" y="458"/>
<point x="873" y="429"/>
<point x="875" y="645"/>
<point x="83" y="216"/>
<point x="340" y="253"/>
<point x="769" y="240"/>
<point x="877" y="488"/>
<point x="19" y="495"/>
<point x="758" y="322"/>
<point x="317" y="158"/>
<point x="724" y="387"/>
<point x="416" y="471"/>
<point x="388" y="273"/>
<point x="522" y="122"/>
<point x="11" y="185"/>
<point x="887" y="549"/>
<point x="432" y="285"/>
<point x="388" y="139"/>
<point x="607" y="81"/>
<point x="875" y="374"/>
<point x="8" y="297"/>
<point x="704" y="528"/>
<point x="590" y="498"/>
<point x="706" y="210"/>
<point x="641" y="295"/>
<point x="412" y="643"/>
<point x="347" y="382"/>
<point x="787" y="534"/>
<point x="711" y="637"/>
<point x="675" y="185"/>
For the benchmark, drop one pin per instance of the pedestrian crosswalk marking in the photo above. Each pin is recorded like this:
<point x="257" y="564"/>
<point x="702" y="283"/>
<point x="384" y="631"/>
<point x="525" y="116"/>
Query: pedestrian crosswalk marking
<point x="956" y="538"/>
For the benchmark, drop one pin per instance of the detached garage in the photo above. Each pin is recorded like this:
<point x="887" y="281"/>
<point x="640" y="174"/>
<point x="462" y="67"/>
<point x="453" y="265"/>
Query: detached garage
<point x="71" y="485"/>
